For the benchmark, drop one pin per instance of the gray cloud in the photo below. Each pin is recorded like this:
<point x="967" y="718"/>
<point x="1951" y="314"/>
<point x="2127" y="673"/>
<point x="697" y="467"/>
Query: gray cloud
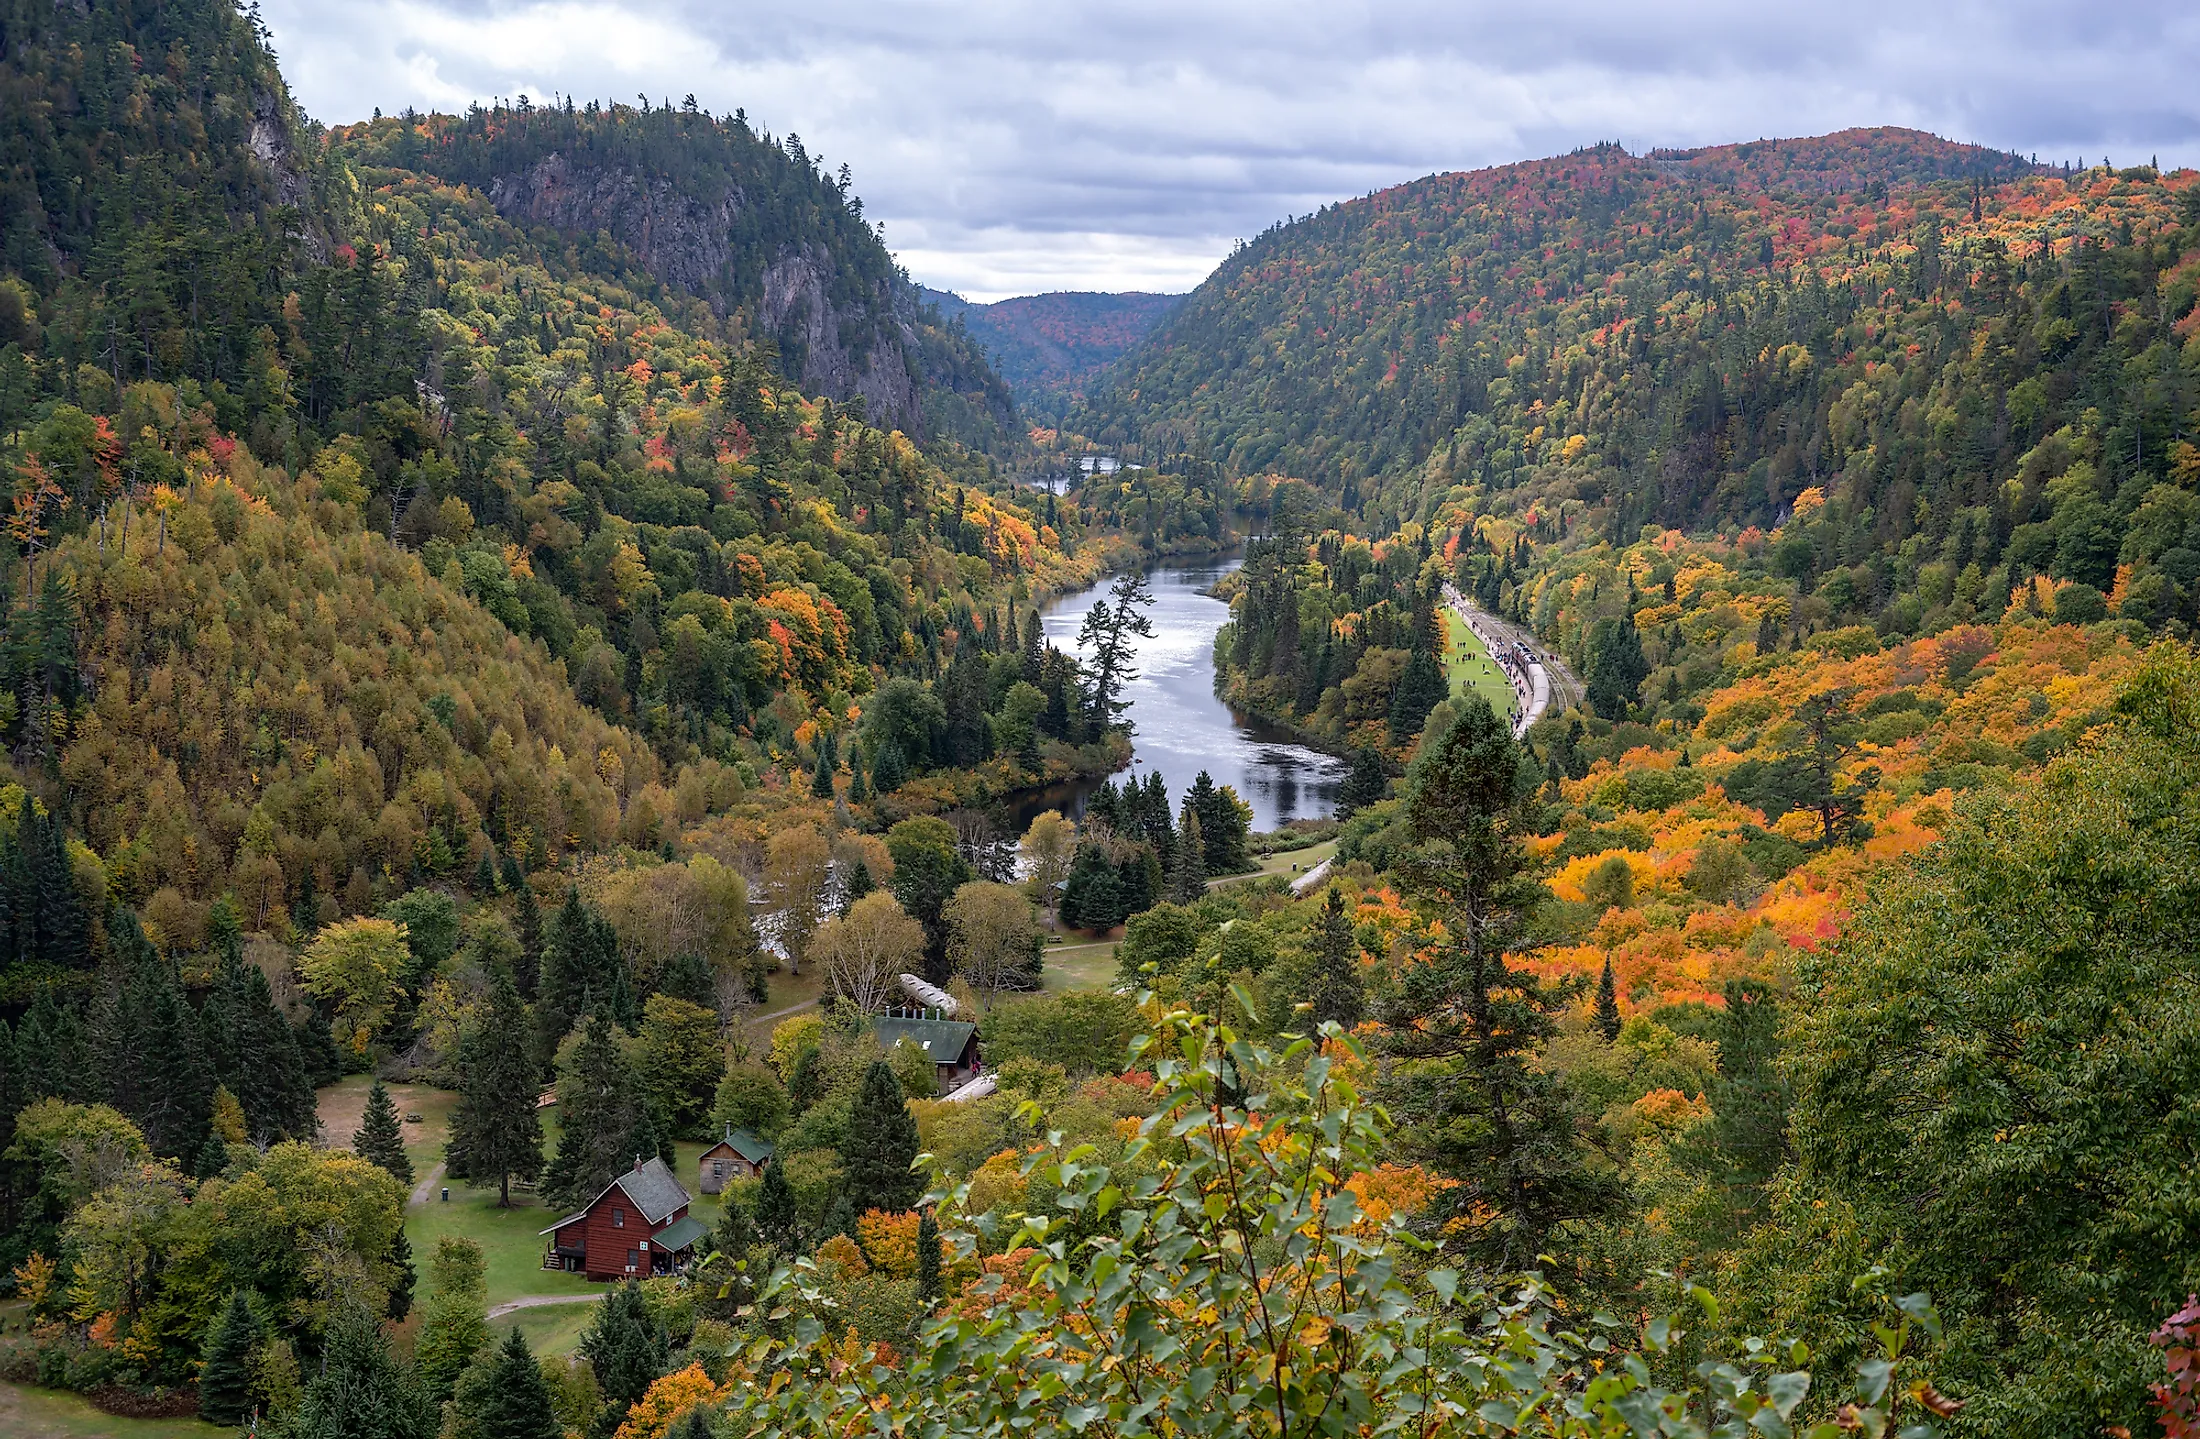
<point x="1019" y="147"/>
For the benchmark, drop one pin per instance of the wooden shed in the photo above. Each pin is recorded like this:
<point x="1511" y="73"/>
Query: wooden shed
<point x="739" y="1155"/>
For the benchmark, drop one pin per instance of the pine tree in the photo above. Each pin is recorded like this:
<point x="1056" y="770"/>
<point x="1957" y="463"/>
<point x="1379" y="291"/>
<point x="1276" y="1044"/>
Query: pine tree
<point x="1337" y="992"/>
<point x="626" y="1349"/>
<point x="148" y="1045"/>
<point x="515" y="880"/>
<point x="379" y="1140"/>
<point x="455" y="1325"/>
<point x="859" y="884"/>
<point x="212" y="1158"/>
<point x="889" y="770"/>
<point x="600" y="1110"/>
<point x="225" y="1375"/>
<point x="687" y="976"/>
<point x="254" y="1050"/>
<point x="929" y="1287"/>
<point x="485" y="875"/>
<point x="496" y="1133"/>
<point x="821" y="778"/>
<point x="1608" y="1003"/>
<point x="1470" y="1022"/>
<point x="1421" y="688"/>
<point x="778" y="1222"/>
<point x="858" y="791"/>
<point x="882" y="1145"/>
<point x="504" y="1396"/>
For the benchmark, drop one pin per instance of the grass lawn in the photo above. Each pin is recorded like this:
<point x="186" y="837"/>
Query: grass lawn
<point x="1079" y="966"/>
<point x="1289" y="864"/>
<point x="27" y="1413"/>
<point x="551" y="1329"/>
<point x="1469" y="666"/>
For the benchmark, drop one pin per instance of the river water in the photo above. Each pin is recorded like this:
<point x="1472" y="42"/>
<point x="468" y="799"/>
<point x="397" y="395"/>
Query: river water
<point x="1179" y="726"/>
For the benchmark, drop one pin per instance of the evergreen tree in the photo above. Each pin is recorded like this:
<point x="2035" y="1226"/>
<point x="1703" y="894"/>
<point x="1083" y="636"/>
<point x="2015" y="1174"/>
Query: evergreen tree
<point x="496" y="1132"/>
<point x="929" y="1286"/>
<point x="580" y="955"/>
<point x="858" y="791"/>
<point x="361" y="1391"/>
<point x="778" y="1222"/>
<point x="1616" y="667"/>
<point x="1367" y="784"/>
<point x="148" y="1045"/>
<point x="687" y="976"/>
<point x="859" y="884"/>
<point x="485" y="875"/>
<point x="882" y="1145"/>
<point x="527" y="924"/>
<point x="1421" y="688"/>
<point x="1188" y="882"/>
<point x="254" y="1050"/>
<point x="212" y="1158"/>
<point x="627" y="1349"/>
<point x="1608" y="1021"/>
<point x="225" y="1374"/>
<point x="1470" y="1023"/>
<point x="1224" y="824"/>
<point x="889" y="770"/>
<point x="455" y="1326"/>
<point x="821" y="779"/>
<point x="603" y="1121"/>
<point x="379" y="1139"/>
<point x="399" y="1257"/>
<point x="806" y="1086"/>
<point x="504" y="1396"/>
<point x="1337" y="991"/>
<point x="1090" y="895"/>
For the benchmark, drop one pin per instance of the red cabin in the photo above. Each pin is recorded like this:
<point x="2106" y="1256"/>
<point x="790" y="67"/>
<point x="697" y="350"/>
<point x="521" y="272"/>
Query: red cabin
<point x="638" y="1227"/>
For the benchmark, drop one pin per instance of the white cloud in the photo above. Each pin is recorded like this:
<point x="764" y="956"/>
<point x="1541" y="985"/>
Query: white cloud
<point x="1011" y="147"/>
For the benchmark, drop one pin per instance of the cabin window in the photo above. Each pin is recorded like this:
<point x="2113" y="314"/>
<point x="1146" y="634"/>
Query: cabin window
<point x="718" y="1169"/>
<point x="618" y="1219"/>
<point x="633" y="1260"/>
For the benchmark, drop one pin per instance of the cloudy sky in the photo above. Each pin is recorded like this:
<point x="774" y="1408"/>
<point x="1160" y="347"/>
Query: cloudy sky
<point x="1019" y="147"/>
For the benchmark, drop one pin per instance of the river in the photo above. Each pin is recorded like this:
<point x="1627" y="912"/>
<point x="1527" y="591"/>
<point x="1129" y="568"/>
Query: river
<point x="1179" y="726"/>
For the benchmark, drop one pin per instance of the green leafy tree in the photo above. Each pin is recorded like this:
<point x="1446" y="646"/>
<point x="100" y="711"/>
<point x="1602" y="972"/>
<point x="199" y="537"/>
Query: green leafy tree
<point x="379" y="1140"/>
<point x="496" y="1131"/>
<point x="679" y="1060"/>
<point x="882" y="1145"/>
<point x="778" y="1220"/>
<point x="1993" y="1076"/>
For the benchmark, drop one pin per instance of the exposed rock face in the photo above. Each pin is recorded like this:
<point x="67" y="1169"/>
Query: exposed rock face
<point x="688" y="243"/>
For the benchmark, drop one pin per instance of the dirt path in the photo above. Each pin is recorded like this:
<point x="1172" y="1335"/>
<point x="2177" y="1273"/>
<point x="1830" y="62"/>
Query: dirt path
<point x="425" y="1189"/>
<point x="537" y="1301"/>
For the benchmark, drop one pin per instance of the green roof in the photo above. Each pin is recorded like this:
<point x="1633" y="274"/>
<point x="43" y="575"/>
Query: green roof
<point x="681" y="1235"/>
<point x="943" y="1039"/>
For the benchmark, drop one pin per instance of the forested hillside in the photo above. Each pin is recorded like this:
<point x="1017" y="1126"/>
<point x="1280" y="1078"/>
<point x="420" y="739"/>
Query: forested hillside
<point x="1049" y="347"/>
<point x="515" y="640"/>
<point x="713" y="208"/>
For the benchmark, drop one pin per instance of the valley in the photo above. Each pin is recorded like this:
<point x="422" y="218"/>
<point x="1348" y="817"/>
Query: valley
<point x="1581" y="770"/>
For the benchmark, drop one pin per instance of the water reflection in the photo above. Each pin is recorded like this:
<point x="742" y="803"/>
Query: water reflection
<point x="1180" y="726"/>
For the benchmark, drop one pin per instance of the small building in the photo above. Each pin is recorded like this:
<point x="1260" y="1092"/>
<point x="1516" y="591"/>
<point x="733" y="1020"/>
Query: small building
<point x="740" y="1155"/>
<point x="637" y="1228"/>
<point x="952" y="1044"/>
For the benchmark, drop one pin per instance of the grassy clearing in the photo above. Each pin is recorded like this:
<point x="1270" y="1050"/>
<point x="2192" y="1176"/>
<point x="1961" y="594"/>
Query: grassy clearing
<point x="1469" y="666"/>
<point x="45" y="1414"/>
<point x="554" y="1329"/>
<point x="1080" y="966"/>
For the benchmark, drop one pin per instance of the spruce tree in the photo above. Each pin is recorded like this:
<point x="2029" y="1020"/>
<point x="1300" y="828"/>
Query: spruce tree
<point x="225" y="1374"/>
<point x="687" y="976"/>
<point x="882" y="1145"/>
<point x="1421" y="688"/>
<point x="600" y="1112"/>
<point x="485" y="875"/>
<point x="821" y="778"/>
<point x="399" y="1258"/>
<point x="148" y="1045"/>
<point x="1608" y="1003"/>
<point x="1337" y="992"/>
<point x="1188" y="882"/>
<point x="361" y="1391"/>
<point x="858" y="791"/>
<point x="12" y="1096"/>
<point x="504" y="1396"/>
<point x="929" y="1287"/>
<point x="515" y="880"/>
<point x="496" y="1132"/>
<point x="212" y="1158"/>
<point x="455" y="1326"/>
<point x="527" y="924"/>
<point x="859" y="883"/>
<point x="1475" y="1104"/>
<point x="626" y="1349"/>
<point x="379" y="1140"/>
<point x="1367" y="784"/>
<point x="778" y="1221"/>
<point x="806" y="1086"/>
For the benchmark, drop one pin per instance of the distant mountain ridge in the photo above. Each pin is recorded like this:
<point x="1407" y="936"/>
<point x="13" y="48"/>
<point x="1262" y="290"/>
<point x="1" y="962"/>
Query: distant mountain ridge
<point x="1355" y="341"/>
<point x="1048" y="347"/>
